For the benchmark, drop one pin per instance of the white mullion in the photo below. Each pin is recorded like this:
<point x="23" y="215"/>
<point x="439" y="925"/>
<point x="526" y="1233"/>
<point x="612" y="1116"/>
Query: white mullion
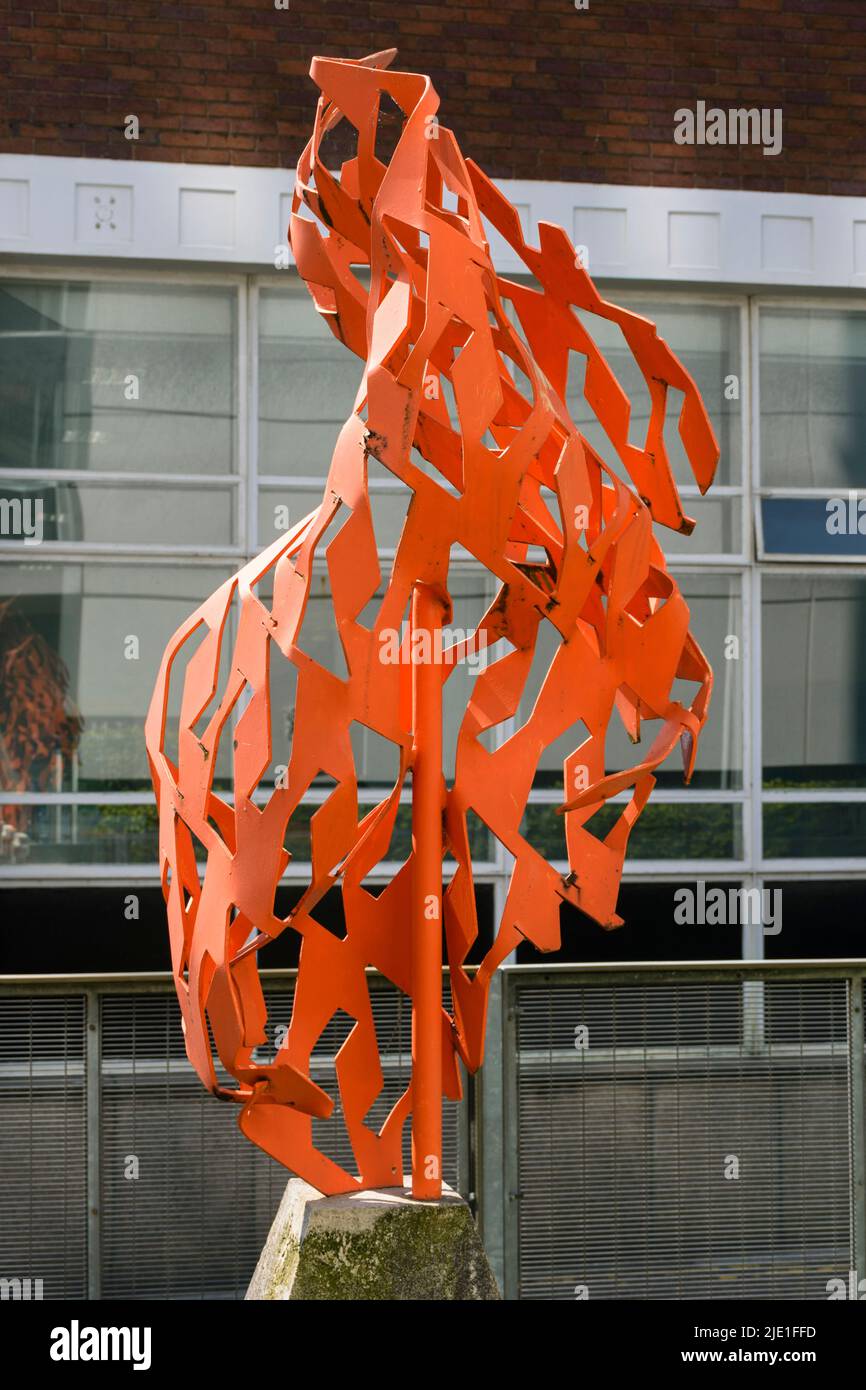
<point x="118" y="478"/>
<point x="653" y="870"/>
<point x="57" y="552"/>
<point x="807" y="492"/>
<point x="752" y="693"/>
<point x="746" y="475"/>
<point x="242" y="416"/>
<point x="126" y="274"/>
<point x="797" y="870"/>
<point x="699" y="564"/>
<point x="684" y="796"/>
<point x="756" y="720"/>
<point x="829" y="794"/>
<point x="254" y="480"/>
<point x="194" y="556"/>
<point x="806" y="563"/>
<point x="749" y="713"/>
<point x="692" y="491"/>
<point x="77" y="798"/>
<point x="815" y="867"/>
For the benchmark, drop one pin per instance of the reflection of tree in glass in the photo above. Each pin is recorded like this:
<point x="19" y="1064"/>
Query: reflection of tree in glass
<point x="39" y="720"/>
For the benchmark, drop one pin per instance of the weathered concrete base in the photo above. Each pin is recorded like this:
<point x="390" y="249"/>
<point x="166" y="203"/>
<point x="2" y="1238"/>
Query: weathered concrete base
<point x="372" y="1245"/>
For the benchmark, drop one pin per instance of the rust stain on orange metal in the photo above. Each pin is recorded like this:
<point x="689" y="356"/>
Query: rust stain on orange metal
<point x="435" y="320"/>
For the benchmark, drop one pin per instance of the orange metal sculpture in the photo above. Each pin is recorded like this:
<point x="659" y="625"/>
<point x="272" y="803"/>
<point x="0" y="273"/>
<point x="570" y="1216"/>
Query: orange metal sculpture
<point x="433" y="312"/>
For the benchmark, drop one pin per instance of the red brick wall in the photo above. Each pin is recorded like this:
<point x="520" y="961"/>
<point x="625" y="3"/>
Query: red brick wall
<point x="533" y="88"/>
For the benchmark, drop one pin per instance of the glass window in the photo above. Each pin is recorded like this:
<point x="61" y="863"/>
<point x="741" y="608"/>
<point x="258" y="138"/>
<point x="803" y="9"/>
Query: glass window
<point x="664" y="829"/>
<point x="706" y="338"/>
<point x="279" y="509"/>
<point x="308" y="382"/>
<point x="815" y="830"/>
<point x="88" y="834"/>
<point x="650" y="931"/>
<point x="823" y="527"/>
<point x="129" y="377"/>
<point x="118" y="376"/>
<point x="376" y="758"/>
<point x="80" y="647"/>
<point x="813" y="397"/>
<point x="814" y="681"/>
<point x="118" y="513"/>
<point x="718" y="528"/>
<point x="821" y="918"/>
<point x="715" y="605"/>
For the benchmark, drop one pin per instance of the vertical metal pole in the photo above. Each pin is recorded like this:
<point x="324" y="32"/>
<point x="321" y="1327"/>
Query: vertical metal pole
<point x="427" y="611"/>
<point x="92" y="1089"/>
<point x="857" y="1112"/>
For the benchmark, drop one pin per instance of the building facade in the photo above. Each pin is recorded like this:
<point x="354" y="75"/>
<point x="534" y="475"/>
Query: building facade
<point x="169" y="402"/>
<point x="170" y="399"/>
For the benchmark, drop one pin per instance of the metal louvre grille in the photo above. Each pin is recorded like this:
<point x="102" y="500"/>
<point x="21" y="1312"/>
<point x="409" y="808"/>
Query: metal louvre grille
<point x="626" y="1132"/>
<point x="43" y="1194"/>
<point x="618" y="1137"/>
<point x="192" y="1222"/>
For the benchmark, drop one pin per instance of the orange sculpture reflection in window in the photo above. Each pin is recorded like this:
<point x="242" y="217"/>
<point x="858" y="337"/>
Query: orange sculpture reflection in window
<point x="463" y="399"/>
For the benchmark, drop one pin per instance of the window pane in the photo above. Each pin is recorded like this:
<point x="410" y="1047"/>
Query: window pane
<point x="718" y="528"/>
<point x="813" y="398"/>
<point x="282" y="508"/>
<point x="715" y="604"/>
<point x="814" y="681"/>
<point x="706" y="338"/>
<point x="481" y="842"/>
<point x="826" y="830"/>
<point x="82" y="835"/>
<point x="129" y="377"/>
<point x="641" y="1015"/>
<point x="119" y="514"/>
<point x="376" y="758"/>
<point x="812" y="526"/>
<point x="307" y="386"/>
<point x="822" y="918"/>
<point x="664" y="830"/>
<point x="73" y="694"/>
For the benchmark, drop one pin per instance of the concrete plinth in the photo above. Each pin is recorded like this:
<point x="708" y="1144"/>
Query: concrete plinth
<point x="372" y="1245"/>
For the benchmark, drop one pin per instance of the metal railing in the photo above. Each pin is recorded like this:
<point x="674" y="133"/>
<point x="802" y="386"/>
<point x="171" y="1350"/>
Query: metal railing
<point x="637" y="1131"/>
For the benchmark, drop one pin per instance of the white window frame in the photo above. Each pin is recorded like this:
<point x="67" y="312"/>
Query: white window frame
<point x="234" y="481"/>
<point x="752" y="868"/>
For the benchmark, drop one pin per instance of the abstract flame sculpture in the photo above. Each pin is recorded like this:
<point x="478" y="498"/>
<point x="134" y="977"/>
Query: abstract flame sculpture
<point x="434" y="311"/>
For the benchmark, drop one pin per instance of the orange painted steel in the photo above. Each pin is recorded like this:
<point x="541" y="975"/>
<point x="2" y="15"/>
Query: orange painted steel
<point x="463" y="400"/>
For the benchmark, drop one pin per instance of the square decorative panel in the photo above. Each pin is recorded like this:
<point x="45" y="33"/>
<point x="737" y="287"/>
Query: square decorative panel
<point x="103" y="212"/>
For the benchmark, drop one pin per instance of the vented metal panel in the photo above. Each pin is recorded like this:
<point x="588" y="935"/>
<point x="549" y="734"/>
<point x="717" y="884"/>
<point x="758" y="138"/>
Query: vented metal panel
<point x="190" y="1219"/>
<point x="43" y="1192"/>
<point x="619" y="1137"/>
<point x="193" y="1221"/>
<point x="185" y="1201"/>
<point x="692" y="1142"/>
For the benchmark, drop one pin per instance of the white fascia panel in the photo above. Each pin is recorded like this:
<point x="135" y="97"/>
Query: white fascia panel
<point x="57" y="207"/>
